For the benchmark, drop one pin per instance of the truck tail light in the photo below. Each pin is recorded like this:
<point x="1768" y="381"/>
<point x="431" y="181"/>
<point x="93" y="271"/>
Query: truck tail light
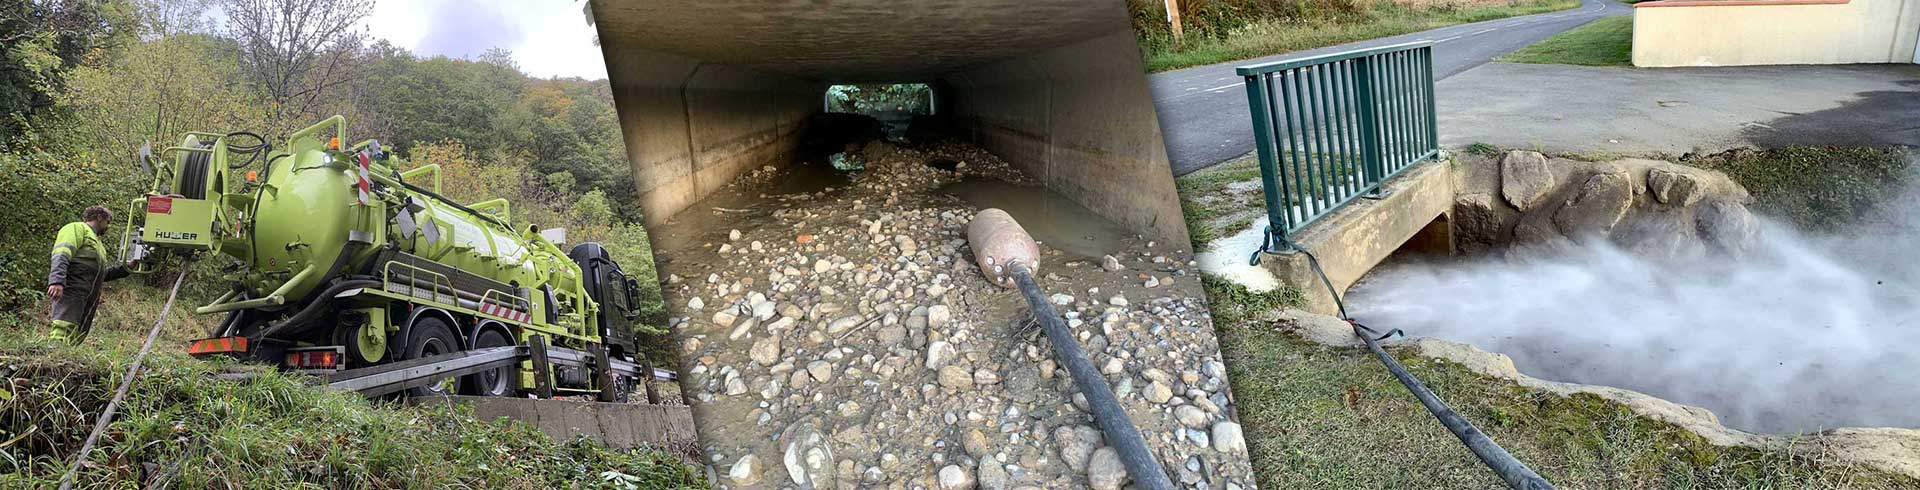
<point x="324" y="359"/>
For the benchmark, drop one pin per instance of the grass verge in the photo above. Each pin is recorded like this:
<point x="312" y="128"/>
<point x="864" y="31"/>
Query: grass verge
<point x="1604" y="42"/>
<point x="183" y="428"/>
<point x="1821" y="189"/>
<point x="1326" y="417"/>
<point x="1214" y="206"/>
<point x="1374" y="20"/>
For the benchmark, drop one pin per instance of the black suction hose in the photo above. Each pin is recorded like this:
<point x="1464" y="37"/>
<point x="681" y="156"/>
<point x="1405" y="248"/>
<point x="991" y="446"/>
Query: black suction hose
<point x="1114" y="424"/>
<point x="1516" y="474"/>
<point x="1510" y="469"/>
<point x="315" y="306"/>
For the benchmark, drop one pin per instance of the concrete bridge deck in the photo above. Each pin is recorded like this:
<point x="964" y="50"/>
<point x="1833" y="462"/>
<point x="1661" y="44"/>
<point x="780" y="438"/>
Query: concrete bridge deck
<point x="1412" y="215"/>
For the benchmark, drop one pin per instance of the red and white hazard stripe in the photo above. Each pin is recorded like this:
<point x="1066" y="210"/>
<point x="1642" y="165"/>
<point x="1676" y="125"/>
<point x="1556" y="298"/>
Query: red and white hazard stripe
<point x="504" y="312"/>
<point x="365" y="185"/>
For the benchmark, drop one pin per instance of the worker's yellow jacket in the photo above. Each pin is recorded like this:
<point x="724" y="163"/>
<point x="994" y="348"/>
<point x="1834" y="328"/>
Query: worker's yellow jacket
<point x="75" y="241"/>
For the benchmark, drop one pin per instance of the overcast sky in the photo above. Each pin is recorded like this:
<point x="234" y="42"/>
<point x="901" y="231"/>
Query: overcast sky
<point x="548" y="38"/>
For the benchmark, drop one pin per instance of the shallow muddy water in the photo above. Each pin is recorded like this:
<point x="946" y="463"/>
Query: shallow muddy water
<point x="1051" y="218"/>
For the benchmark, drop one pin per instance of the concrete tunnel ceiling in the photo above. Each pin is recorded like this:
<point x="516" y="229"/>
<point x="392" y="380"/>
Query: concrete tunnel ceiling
<point x="708" y="91"/>
<point x="854" y="41"/>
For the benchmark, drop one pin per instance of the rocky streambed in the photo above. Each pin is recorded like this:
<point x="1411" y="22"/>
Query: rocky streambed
<point x="842" y="337"/>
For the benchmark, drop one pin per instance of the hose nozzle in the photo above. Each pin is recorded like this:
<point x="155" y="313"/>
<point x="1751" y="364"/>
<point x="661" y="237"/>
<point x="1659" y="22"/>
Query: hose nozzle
<point x="999" y="242"/>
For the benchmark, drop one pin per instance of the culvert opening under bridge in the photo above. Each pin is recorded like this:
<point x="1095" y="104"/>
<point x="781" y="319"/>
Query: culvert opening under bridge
<point x="837" y="332"/>
<point x="1654" y="277"/>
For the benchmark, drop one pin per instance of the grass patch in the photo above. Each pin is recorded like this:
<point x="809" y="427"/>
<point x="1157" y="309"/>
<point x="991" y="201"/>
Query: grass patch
<point x="1233" y="303"/>
<point x="1821" y="189"/>
<point x="1483" y="149"/>
<point x="1325" y="417"/>
<point x="1214" y="206"/>
<point x="1226" y="198"/>
<point x="1281" y="35"/>
<point x="1604" y="42"/>
<point x="182" y="428"/>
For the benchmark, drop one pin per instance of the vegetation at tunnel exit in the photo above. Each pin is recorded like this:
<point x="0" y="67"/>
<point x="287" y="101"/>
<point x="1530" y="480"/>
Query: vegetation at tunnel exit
<point x="1226" y="30"/>
<point x="1604" y="42"/>
<point x="1333" y="417"/>
<point x="182" y="428"/>
<point x="870" y="98"/>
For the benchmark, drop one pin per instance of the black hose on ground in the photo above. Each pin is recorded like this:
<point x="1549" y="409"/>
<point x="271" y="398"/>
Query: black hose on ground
<point x="1515" y="473"/>
<point x="1114" y="424"/>
<point x="1510" y="469"/>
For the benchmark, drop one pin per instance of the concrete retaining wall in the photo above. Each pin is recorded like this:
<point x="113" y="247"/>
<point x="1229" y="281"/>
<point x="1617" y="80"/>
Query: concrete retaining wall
<point x="692" y="127"/>
<point x="1774" y="32"/>
<point x="1079" y="118"/>
<point x="617" y="425"/>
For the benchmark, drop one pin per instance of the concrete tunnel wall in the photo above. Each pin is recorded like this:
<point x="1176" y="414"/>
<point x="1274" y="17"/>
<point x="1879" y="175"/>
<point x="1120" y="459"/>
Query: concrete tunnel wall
<point x="692" y="127"/>
<point x="1077" y="117"/>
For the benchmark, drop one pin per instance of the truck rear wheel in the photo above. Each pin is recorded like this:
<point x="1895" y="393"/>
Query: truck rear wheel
<point x="497" y="382"/>
<point x="432" y="337"/>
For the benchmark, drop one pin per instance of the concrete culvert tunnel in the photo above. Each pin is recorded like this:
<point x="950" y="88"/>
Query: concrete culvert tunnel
<point x="837" y="331"/>
<point x="710" y="91"/>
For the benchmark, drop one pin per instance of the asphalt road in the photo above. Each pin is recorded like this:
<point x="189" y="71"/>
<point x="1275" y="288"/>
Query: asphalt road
<point x="1203" y="109"/>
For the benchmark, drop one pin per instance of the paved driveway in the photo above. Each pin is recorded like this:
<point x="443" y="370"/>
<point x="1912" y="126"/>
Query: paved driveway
<point x="1677" y="110"/>
<point x="1203" y="109"/>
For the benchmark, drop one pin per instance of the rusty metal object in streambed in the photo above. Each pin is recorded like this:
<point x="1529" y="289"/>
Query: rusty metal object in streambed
<point x="999" y="241"/>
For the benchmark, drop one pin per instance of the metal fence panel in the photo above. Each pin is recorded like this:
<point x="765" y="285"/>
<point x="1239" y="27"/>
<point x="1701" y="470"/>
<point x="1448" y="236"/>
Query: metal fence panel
<point x="1330" y="129"/>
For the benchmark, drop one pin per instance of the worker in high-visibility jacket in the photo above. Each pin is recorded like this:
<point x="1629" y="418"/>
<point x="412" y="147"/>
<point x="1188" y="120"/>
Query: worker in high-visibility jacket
<point x="74" y="283"/>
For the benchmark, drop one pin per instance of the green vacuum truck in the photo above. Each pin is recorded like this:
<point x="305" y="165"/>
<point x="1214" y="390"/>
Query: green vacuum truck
<point x="344" y="257"/>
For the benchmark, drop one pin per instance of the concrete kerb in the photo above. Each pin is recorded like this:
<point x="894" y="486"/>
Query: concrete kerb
<point x="616" y="425"/>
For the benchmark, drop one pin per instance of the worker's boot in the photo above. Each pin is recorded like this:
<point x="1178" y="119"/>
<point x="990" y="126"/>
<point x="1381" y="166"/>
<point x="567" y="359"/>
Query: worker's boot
<point x="63" y="331"/>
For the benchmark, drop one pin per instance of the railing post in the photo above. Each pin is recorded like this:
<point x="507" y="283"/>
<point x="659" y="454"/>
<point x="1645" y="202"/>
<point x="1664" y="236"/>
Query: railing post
<point x="1433" y="112"/>
<point x="1370" y="158"/>
<point x="1260" y="98"/>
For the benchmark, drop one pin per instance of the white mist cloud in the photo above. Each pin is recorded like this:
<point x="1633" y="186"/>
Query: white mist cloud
<point x="1799" y="334"/>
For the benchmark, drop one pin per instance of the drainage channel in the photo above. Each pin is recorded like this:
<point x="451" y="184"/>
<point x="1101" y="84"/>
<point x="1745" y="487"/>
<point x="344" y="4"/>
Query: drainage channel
<point x="1773" y="329"/>
<point x="843" y="334"/>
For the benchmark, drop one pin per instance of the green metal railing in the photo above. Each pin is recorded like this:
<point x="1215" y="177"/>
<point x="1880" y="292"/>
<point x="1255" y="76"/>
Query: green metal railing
<point x="1330" y="129"/>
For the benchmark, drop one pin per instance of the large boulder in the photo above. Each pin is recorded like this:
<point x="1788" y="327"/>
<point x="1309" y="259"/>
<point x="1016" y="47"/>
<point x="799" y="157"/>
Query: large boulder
<point x="1480" y="222"/>
<point x="1524" y="178"/>
<point x="1598" y="206"/>
<point x="1676" y="187"/>
<point x="1727" y="225"/>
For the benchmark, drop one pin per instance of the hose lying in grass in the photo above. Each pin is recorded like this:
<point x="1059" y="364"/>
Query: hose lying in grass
<point x="1510" y="469"/>
<point x="126" y="383"/>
